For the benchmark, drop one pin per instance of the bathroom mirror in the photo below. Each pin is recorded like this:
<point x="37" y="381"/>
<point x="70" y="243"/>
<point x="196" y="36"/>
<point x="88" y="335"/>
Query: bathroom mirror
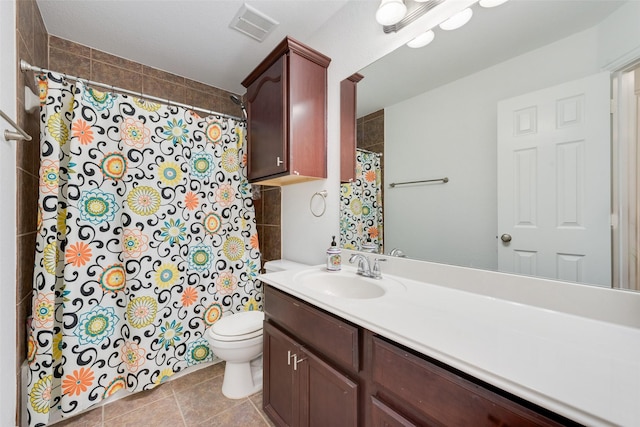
<point x="440" y="106"/>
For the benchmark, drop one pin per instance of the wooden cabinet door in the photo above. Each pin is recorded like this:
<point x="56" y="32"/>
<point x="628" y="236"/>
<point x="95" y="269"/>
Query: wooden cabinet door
<point x="280" y="391"/>
<point x="267" y="152"/>
<point x="327" y="397"/>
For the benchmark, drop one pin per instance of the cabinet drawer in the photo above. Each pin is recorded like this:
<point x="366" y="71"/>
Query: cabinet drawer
<point x="327" y="335"/>
<point x="383" y="416"/>
<point x="444" y="396"/>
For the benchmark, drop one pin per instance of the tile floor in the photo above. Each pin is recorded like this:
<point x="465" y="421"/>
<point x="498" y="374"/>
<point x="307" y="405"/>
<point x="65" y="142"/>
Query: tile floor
<point x="192" y="400"/>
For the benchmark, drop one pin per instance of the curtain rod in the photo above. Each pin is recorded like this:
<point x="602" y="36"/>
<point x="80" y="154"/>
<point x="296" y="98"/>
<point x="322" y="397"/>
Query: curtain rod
<point x="25" y="66"/>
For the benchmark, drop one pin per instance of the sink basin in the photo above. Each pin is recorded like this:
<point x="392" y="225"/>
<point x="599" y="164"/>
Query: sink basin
<point x="346" y="284"/>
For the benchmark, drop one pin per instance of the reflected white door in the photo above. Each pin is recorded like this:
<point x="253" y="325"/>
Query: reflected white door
<point x="554" y="182"/>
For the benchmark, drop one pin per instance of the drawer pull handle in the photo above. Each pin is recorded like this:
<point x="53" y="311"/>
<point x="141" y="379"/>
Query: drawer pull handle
<point x="289" y="357"/>
<point x="278" y="161"/>
<point x="296" y="361"/>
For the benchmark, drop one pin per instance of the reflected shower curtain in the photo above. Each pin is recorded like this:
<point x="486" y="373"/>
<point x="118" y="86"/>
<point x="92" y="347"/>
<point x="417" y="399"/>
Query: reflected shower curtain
<point x="361" y="204"/>
<point x="146" y="237"/>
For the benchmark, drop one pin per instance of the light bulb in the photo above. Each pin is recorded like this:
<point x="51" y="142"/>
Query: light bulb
<point x="457" y="20"/>
<point x="391" y="12"/>
<point x="422" y="39"/>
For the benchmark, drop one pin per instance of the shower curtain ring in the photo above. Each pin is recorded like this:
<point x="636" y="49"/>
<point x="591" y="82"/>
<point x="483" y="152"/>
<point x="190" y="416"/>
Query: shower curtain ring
<point x="323" y="196"/>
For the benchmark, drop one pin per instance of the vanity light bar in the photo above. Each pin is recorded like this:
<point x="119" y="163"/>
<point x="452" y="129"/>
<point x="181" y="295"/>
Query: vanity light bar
<point x="414" y="11"/>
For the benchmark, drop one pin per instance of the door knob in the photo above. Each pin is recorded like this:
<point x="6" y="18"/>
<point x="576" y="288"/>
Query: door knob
<point x="506" y="238"/>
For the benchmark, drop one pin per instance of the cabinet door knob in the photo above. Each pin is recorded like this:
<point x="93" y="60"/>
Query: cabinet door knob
<point x="279" y="161"/>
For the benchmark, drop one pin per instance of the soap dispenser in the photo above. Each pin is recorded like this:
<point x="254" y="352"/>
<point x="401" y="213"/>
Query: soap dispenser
<point x="334" y="259"/>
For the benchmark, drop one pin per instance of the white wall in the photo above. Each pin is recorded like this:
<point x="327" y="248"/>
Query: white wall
<point x="7" y="215"/>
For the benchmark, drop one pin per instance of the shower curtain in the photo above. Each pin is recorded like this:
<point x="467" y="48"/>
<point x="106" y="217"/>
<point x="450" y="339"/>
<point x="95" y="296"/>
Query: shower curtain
<point x="146" y="237"/>
<point x="361" y="205"/>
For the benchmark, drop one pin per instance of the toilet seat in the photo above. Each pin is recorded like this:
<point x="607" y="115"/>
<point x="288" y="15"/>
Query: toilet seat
<point x="238" y="327"/>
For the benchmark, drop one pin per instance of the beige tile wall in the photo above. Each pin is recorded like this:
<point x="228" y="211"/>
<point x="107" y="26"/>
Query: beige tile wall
<point x="36" y="47"/>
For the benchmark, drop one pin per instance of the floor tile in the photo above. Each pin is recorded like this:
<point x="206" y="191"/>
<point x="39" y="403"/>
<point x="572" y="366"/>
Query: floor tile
<point x="92" y="418"/>
<point x="204" y="401"/>
<point x="136" y="401"/>
<point x="201" y="375"/>
<point x="242" y="415"/>
<point x="161" y="413"/>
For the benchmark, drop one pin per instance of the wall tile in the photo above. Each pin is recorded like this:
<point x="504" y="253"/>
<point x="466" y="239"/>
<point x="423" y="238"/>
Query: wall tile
<point x="192" y="84"/>
<point x="373" y="132"/>
<point x="64" y="61"/>
<point x="272" y="202"/>
<point x="270" y="242"/>
<point x="24" y="21"/>
<point x="162" y="75"/>
<point x="69" y="46"/>
<point x="116" y="61"/>
<point x="24" y="274"/>
<point x="40" y="39"/>
<point x="163" y="89"/>
<point x="109" y="74"/>
<point x="200" y="99"/>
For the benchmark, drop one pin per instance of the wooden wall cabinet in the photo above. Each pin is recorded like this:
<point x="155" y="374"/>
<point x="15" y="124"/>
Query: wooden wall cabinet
<point x="320" y="370"/>
<point x="348" y="131"/>
<point x="287" y="111"/>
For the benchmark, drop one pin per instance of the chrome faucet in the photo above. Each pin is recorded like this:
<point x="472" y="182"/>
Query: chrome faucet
<point x="364" y="266"/>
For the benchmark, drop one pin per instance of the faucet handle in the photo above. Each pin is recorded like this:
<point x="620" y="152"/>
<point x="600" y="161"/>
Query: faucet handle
<point x="376" y="273"/>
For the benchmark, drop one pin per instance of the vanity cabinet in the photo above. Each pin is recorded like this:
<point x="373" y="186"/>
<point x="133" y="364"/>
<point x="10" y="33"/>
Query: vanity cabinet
<point x="348" y="133"/>
<point x="410" y="387"/>
<point x="287" y="110"/>
<point x="303" y="382"/>
<point x="320" y="370"/>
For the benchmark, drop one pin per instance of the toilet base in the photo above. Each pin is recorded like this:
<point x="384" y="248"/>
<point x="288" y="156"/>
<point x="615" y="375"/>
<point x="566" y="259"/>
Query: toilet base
<point x="242" y="379"/>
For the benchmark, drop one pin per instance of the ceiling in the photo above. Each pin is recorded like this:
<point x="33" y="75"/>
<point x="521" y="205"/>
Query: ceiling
<point x="192" y="38"/>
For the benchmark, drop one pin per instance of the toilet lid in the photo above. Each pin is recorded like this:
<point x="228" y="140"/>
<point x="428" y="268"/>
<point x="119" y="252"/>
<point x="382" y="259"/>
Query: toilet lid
<point x="239" y="324"/>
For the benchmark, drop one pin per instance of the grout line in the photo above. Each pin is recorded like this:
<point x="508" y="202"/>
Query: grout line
<point x="184" y="420"/>
<point x="260" y="412"/>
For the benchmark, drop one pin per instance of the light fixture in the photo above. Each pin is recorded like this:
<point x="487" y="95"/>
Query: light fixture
<point x="491" y="3"/>
<point x="390" y="11"/>
<point x="422" y="39"/>
<point x="457" y="20"/>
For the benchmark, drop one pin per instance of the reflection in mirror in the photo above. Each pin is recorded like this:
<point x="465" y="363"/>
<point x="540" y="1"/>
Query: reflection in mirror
<point x="361" y="205"/>
<point x="480" y="106"/>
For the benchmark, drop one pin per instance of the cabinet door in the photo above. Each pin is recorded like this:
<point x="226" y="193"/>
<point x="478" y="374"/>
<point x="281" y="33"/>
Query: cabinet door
<point x="328" y="398"/>
<point x="280" y="393"/>
<point x="267" y="152"/>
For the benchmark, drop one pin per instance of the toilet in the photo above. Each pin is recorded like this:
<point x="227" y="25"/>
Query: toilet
<point x="237" y="339"/>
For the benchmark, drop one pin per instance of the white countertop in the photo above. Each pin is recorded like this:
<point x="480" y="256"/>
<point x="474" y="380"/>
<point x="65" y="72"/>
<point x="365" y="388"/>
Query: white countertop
<point x="583" y="368"/>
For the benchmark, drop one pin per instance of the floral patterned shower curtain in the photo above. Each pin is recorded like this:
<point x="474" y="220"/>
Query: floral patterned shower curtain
<point x="361" y="205"/>
<point x="146" y="237"/>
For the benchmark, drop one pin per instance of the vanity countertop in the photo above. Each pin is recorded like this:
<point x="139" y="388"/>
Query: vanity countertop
<point x="583" y="368"/>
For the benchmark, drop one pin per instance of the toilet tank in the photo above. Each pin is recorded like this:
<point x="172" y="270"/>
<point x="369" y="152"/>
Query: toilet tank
<point x="282" y="265"/>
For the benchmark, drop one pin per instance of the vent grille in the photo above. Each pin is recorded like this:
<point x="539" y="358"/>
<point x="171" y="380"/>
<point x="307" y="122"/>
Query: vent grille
<point x="253" y="23"/>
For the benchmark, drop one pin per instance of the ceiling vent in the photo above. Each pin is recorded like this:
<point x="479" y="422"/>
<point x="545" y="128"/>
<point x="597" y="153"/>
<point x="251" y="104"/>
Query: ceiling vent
<point x="253" y="23"/>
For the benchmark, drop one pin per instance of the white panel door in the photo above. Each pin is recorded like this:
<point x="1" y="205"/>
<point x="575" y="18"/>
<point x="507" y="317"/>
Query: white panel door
<point x="554" y="182"/>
